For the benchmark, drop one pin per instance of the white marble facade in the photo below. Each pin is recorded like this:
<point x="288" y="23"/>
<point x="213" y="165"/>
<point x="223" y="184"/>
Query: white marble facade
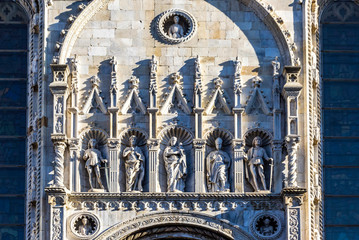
<point x="175" y="118"/>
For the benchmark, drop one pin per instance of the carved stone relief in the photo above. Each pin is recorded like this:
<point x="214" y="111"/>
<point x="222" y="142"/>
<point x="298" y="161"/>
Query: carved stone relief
<point x="84" y="225"/>
<point x="266" y="226"/>
<point x="175" y="26"/>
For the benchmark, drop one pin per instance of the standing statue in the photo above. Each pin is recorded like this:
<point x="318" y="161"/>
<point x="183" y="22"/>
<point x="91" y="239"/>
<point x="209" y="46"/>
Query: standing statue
<point x="176" y="166"/>
<point x="218" y="163"/>
<point x="93" y="160"/>
<point x="175" y="30"/>
<point x="255" y="165"/>
<point x="134" y="159"/>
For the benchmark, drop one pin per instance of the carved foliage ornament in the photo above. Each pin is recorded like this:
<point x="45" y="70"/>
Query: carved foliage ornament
<point x="85" y="225"/>
<point x="176" y="26"/>
<point x="266" y="226"/>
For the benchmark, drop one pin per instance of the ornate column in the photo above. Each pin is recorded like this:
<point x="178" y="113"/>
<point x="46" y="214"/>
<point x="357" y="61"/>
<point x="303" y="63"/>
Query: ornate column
<point x="238" y="142"/>
<point x="199" y="143"/>
<point x="113" y="146"/>
<point x="153" y="143"/>
<point x="113" y="109"/>
<point x="291" y="92"/>
<point x="59" y="90"/>
<point x="57" y="201"/>
<point x="291" y="143"/>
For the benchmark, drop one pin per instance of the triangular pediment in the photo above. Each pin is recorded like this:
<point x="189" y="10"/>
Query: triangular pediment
<point x="175" y="102"/>
<point x="218" y="103"/>
<point x="257" y="103"/>
<point x="94" y="102"/>
<point x="133" y="103"/>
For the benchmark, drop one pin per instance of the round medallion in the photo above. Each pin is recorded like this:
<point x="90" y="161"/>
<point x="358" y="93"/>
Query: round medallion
<point x="85" y="225"/>
<point x="176" y="26"/>
<point x="266" y="226"/>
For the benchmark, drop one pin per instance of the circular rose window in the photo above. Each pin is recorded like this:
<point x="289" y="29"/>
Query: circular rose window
<point x="176" y="26"/>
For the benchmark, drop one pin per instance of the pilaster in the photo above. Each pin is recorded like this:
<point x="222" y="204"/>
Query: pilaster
<point x="153" y="165"/>
<point x="57" y="199"/>
<point x="200" y="185"/>
<point x="238" y="165"/>
<point x="293" y="199"/>
<point x="113" y="147"/>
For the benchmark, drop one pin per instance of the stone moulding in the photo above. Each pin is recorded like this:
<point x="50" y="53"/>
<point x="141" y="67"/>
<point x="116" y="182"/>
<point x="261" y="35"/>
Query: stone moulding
<point x="163" y="20"/>
<point x="227" y="230"/>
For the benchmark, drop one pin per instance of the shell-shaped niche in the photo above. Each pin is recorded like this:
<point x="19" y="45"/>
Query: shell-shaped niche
<point x="141" y="137"/>
<point x="225" y="135"/>
<point x="100" y="135"/>
<point x="184" y="135"/>
<point x="263" y="134"/>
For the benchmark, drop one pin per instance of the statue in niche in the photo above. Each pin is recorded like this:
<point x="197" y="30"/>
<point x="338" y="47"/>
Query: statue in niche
<point x="266" y="229"/>
<point x="175" y="30"/>
<point x="85" y="228"/>
<point x="218" y="163"/>
<point x="93" y="160"/>
<point x="255" y="165"/>
<point x="134" y="159"/>
<point x="176" y="166"/>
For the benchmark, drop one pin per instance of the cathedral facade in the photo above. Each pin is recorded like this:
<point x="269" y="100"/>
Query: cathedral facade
<point x="172" y="119"/>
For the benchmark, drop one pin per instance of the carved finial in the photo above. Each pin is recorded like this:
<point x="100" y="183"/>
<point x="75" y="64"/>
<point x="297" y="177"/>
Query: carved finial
<point x="95" y="81"/>
<point x="198" y="67"/>
<point x="176" y="78"/>
<point x="276" y="66"/>
<point x="257" y="82"/>
<point x="218" y="83"/>
<point x="134" y="82"/>
<point x="237" y="67"/>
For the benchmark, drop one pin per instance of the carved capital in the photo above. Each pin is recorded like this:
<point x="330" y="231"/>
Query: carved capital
<point x="113" y="143"/>
<point x="58" y="200"/>
<point x="199" y="143"/>
<point x="73" y="143"/>
<point x="293" y="197"/>
<point x="238" y="144"/>
<point x="153" y="144"/>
